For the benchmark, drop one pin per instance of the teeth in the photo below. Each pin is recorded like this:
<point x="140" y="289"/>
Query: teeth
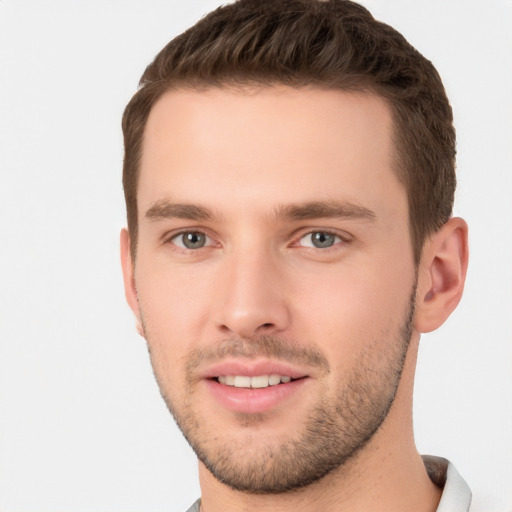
<point x="274" y="379"/>
<point x="242" y="382"/>
<point x="259" y="381"/>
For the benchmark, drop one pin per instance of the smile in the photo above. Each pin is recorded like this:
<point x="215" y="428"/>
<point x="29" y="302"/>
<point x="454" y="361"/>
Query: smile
<point x="253" y="386"/>
<point x="257" y="381"/>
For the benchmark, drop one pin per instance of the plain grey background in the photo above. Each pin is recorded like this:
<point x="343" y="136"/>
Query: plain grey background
<point x="82" y="425"/>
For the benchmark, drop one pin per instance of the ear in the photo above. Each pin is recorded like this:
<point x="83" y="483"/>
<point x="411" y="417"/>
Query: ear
<point x="130" y="290"/>
<point x="442" y="273"/>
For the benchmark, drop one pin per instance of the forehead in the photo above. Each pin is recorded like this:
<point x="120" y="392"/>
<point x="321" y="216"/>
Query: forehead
<point x="269" y="145"/>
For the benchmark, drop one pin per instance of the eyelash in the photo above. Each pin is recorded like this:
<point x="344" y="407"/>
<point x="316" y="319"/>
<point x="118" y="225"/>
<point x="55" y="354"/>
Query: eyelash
<point x="175" y="236"/>
<point x="341" y="240"/>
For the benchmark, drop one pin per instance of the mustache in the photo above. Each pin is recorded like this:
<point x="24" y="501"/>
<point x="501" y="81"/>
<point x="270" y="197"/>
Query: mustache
<point x="262" y="346"/>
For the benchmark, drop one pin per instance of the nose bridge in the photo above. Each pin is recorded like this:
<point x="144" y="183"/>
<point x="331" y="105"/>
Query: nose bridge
<point x="253" y="292"/>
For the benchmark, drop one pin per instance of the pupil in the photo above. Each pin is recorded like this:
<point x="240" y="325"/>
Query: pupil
<point x="194" y="240"/>
<point x="321" y="239"/>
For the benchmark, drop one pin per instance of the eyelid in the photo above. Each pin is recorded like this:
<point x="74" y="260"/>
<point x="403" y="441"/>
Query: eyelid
<point x="170" y="237"/>
<point x="343" y="236"/>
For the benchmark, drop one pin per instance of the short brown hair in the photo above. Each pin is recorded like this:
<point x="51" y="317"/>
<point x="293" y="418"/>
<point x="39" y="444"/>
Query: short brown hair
<point x="333" y="44"/>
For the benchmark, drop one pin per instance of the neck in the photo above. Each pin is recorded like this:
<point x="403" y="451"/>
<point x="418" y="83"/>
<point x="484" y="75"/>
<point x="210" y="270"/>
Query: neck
<point x="387" y="475"/>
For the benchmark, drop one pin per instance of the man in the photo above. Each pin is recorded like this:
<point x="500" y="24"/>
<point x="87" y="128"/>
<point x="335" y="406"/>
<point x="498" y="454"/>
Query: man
<point x="289" y="181"/>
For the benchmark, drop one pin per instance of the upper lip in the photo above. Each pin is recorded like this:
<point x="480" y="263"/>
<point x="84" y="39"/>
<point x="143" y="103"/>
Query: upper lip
<point x="252" y="368"/>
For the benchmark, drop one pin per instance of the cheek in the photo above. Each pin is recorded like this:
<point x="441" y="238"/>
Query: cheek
<point x="345" y="309"/>
<point x="174" y="306"/>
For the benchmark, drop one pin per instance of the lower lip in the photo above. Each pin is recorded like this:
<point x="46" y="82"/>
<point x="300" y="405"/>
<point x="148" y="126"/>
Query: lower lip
<point x="254" y="400"/>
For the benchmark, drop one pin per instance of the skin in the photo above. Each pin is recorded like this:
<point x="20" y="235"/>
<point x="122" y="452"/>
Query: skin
<point x="249" y="157"/>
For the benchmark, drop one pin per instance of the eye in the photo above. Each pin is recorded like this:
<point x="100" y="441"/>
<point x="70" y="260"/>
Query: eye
<point x="191" y="240"/>
<point x="320" y="240"/>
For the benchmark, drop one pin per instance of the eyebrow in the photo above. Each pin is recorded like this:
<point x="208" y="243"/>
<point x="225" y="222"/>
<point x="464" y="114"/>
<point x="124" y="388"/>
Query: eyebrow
<point x="324" y="209"/>
<point x="165" y="209"/>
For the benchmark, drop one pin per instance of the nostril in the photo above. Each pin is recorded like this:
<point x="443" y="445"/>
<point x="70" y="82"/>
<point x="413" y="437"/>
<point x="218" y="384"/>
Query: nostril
<point x="267" y="325"/>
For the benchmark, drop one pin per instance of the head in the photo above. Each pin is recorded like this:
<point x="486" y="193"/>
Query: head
<point x="289" y="182"/>
<point x="333" y="45"/>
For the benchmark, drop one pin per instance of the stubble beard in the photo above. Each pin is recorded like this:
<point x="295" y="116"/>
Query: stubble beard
<point x="333" y="434"/>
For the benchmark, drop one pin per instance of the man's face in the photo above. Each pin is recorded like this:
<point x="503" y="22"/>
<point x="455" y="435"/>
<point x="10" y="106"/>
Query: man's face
<point x="274" y="276"/>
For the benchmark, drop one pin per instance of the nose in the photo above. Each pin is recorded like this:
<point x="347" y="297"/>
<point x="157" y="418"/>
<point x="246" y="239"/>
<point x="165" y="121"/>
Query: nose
<point x="252" y="296"/>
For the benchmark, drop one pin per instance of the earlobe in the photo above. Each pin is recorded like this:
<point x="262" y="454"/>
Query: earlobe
<point x="129" y="279"/>
<point x="442" y="274"/>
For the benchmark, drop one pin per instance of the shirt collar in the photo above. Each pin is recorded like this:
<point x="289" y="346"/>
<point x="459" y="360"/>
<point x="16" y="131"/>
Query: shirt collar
<point x="456" y="495"/>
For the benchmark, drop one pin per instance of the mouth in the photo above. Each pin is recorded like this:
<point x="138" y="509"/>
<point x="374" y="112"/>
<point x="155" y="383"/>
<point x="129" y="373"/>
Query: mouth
<point x="254" y="387"/>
